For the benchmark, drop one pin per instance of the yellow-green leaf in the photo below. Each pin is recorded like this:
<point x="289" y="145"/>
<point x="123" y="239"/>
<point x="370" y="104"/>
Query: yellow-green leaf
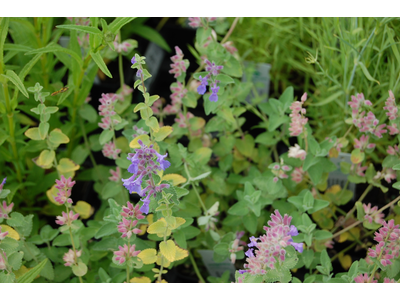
<point x="162" y="133"/>
<point x="51" y="194"/>
<point x="146" y="113"/>
<point x="202" y="155"/>
<point x="67" y="167"/>
<point x="140" y="106"/>
<point x="57" y="137"/>
<point x="84" y="209"/>
<point x="45" y="159"/>
<point x="153" y="124"/>
<point x="196" y="123"/>
<point x="12" y="233"/>
<point x="168" y="250"/>
<point x="176" y="178"/>
<point x="144" y="138"/>
<point x="157" y="227"/>
<point x="142" y="279"/>
<point x="245" y="146"/>
<point x="148" y="256"/>
<point x="33" y="134"/>
<point x="357" y="156"/>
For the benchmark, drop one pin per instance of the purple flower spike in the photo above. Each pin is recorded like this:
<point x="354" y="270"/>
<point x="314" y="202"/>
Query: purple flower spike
<point x="145" y="207"/>
<point x="133" y="185"/>
<point x="253" y="241"/>
<point x="203" y="85"/>
<point x="249" y="253"/>
<point x="133" y="168"/>
<point x="297" y="246"/>
<point x="164" y="164"/>
<point x="293" y="231"/>
<point x="214" y="91"/>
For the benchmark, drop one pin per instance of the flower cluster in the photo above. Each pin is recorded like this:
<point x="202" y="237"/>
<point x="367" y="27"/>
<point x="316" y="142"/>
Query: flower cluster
<point x="356" y="169"/>
<point x="279" y="170"/>
<point x="388" y="174"/>
<point x="377" y="218"/>
<point x="70" y="257"/>
<point x="196" y="22"/>
<point x="388" y="238"/>
<point x="125" y="253"/>
<point x="125" y="91"/>
<point x="212" y="69"/>
<point x="110" y="150"/>
<point x="297" y="152"/>
<point x="393" y="150"/>
<point x="5" y="209"/>
<point x="368" y="123"/>
<point x="235" y="248"/>
<point x="143" y="165"/>
<point x="139" y="130"/>
<point x="67" y="218"/>
<point x="64" y="187"/>
<point x="178" y="67"/>
<point x="363" y="144"/>
<point x="298" y="121"/>
<point x="268" y="249"/>
<point x="391" y="107"/>
<point x="363" y="278"/>
<point x="297" y="174"/>
<point x="123" y="46"/>
<point x="115" y="175"/>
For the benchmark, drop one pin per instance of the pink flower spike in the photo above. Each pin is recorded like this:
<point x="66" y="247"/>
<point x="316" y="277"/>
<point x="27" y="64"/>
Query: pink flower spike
<point x="125" y="253"/>
<point x="2" y="262"/>
<point x="5" y="210"/>
<point x="116" y="175"/>
<point x="363" y="278"/>
<point x="297" y="152"/>
<point x="69" y="257"/>
<point x="66" y="218"/>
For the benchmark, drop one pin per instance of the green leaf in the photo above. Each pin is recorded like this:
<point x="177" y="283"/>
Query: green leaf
<point x="80" y="269"/>
<point x="104" y="277"/>
<point x="10" y="75"/>
<point x="107" y="229"/>
<point x="65" y="240"/>
<point x="15" y="260"/>
<point x="86" y="29"/>
<point x="366" y="73"/>
<point x="47" y="233"/>
<point x="24" y="224"/>
<point x="31" y="274"/>
<point x="322" y="235"/>
<point x="51" y="48"/>
<point x="239" y="209"/>
<point x="250" y="222"/>
<point x="43" y="129"/>
<point x="88" y="113"/>
<point x="106" y="136"/>
<point x="232" y="67"/>
<point x="222" y="249"/>
<point x="151" y="35"/>
<point x="118" y="23"/>
<point x="100" y="63"/>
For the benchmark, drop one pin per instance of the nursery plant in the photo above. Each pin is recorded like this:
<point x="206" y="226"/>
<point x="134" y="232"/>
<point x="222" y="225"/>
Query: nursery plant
<point x="214" y="181"/>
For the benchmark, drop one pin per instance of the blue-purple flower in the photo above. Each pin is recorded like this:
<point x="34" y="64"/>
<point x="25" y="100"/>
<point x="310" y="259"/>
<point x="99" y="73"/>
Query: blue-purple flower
<point x="133" y="185"/>
<point x="133" y="60"/>
<point x="214" y="91"/>
<point x="203" y="85"/>
<point x="249" y="253"/>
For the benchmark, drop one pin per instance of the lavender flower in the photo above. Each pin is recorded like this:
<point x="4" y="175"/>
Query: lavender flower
<point x="142" y="166"/>
<point x="214" y="91"/>
<point x="202" y="88"/>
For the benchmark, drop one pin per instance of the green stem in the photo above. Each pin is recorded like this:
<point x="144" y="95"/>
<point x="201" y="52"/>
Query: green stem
<point x="127" y="267"/>
<point x="196" y="269"/>
<point x="230" y="31"/>
<point x="120" y="67"/>
<point x="359" y="200"/>
<point x="195" y="190"/>
<point x="73" y="247"/>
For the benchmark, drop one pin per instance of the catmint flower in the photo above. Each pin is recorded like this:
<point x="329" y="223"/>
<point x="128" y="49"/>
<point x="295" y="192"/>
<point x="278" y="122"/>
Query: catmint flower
<point x="178" y="67"/>
<point x="139" y="73"/>
<point x="253" y="242"/>
<point x="127" y="228"/>
<point x="297" y="174"/>
<point x="279" y="170"/>
<point x="125" y="253"/>
<point x="393" y="150"/>
<point x="212" y="67"/>
<point x="242" y="271"/>
<point x="131" y="211"/>
<point x="115" y="175"/>
<point x="125" y="91"/>
<point x="393" y="129"/>
<point x="2" y="261"/>
<point x="235" y="248"/>
<point x="388" y="280"/>
<point x="298" y="121"/>
<point x="107" y="104"/>
<point x="88" y="99"/>
<point x="370" y="123"/>
<point x="202" y="88"/>
<point x="297" y="152"/>
<point x="143" y="165"/>
<point x="5" y="209"/>
<point x="209" y="219"/>
<point x="388" y="239"/>
<point x="107" y="122"/>
<point x="179" y="92"/>
<point x="249" y="253"/>
<point x="358" y="101"/>
<point x="214" y="91"/>
<point x="110" y="150"/>
<point x="270" y="247"/>
<point x="363" y="144"/>
<point x="139" y="131"/>
<point x="69" y="257"/>
<point x="388" y="174"/>
<point x="377" y="218"/>
<point x="64" y="190"/>
<point x="67" y="218"/>
<point x="363" y="278"/>
<point x="3" y="234"/>
<point x="391" y="107"/>
<point x="123" y="47"/>
<point x="229" y="46"/>
<point x="196" y="21"/>
<point x="3" y="183"/>
<point x="182" y="121"/>
<point x="358" y="170"/>
<point x="133" y="60"/>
